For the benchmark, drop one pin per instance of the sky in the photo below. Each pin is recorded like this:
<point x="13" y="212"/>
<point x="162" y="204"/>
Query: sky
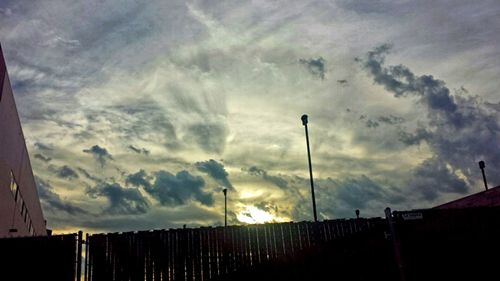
<point x="137" y="114"/>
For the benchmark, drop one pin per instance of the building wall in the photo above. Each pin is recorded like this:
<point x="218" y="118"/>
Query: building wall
<point x="20" y="207"/>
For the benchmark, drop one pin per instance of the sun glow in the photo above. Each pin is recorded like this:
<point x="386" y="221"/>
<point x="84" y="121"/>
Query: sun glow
<point x="253" y="215"/>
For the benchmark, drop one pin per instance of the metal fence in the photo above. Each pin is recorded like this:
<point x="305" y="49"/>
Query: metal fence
<point x="207" y="253"/>
<point x="412" y="245"/>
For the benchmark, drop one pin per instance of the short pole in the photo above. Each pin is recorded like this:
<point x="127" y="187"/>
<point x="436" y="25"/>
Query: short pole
<point x="225" y="206"/>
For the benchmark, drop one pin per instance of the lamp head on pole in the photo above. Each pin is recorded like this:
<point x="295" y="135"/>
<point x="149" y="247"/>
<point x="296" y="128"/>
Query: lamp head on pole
<point x="304" y="119"/>
<point x="225" y="191"/>
<point x="481" y="164"/>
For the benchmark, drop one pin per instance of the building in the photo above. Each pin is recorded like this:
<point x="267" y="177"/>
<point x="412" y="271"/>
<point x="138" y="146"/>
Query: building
<point x="486" y="198"/>
<point x="20" y="210"/>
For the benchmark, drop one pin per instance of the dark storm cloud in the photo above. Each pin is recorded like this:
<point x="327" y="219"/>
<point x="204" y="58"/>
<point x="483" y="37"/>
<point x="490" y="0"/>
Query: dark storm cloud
<point x="343" y="82"/>
<point x="42" y="146"/>
<point x="317" y="67"/>
<point x="53" y="202"/>
<point x="381" y="120"/>
<point x="174" y="190"/>
<point x="278" y="181"/>
<point x="402" y="82"/>
<point x="461" y="129"/>
<point x="121" y="200"/>
<point x="42" y="157"/>
<point x="340" y="198"/>
<point x="138" y="179"/>
<point x="138" y="150"/>
<point x="390" y="119"/>
<point x="89" y="176"/>
<point x="100" y="154"/>
<point x="66" y="172"/>
<point x="215" y="170"/>
<point x="493" y="106"/>
<point x="371" y="124"/>
<point x="433" y="177"/>
<point x="211" y="137"/>
<point x="359" y="191"/>
<point x="415" y="138"/>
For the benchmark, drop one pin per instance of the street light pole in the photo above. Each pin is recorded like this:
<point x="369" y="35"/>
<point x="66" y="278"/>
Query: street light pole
<point x="482" y="166"/>
<point x="225" y="206"/>
<point x="304" y="122"/>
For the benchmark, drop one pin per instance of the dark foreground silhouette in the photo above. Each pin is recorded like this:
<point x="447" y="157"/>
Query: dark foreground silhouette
<point x="431" y="244"/>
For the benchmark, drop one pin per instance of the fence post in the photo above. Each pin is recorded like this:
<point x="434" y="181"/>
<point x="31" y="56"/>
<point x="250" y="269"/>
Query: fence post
<point x="86" y="256"/>
<point x="396" y="243"/>
<point x="79" y="256"/>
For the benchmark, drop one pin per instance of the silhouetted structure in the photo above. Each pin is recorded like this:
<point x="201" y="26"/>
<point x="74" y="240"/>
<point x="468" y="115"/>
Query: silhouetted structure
<point x="54" y="258"/>
<point x="304" y="122"/>
<point x="449" y="244"/>
<point x="486" y="198"/>
<point x="20" y="210"/>
<point x="453" y="241"/>
<point x="482" y="166"/>
<point x="209" y="253"/>
<point x="225" y="206"/>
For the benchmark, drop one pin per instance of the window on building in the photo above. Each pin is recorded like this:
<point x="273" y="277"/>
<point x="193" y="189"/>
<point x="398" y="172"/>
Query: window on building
<point x="14" y="188"/>
<point x="17" y="196"/>
<point x="20" y="202"/>
<point x="12" y="183"/>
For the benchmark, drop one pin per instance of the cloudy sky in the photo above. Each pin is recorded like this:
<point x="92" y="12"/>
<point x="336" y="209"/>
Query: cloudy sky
<point x="137" y="113"/>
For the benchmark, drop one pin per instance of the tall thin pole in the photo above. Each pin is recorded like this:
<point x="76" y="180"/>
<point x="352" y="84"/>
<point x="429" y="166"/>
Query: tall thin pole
<point x="304" y="122"/>
<point x="225" y="206"/>
<point x="482" y="166"/>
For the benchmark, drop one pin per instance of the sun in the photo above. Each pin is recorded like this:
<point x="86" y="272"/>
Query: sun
<point x="253" y="215"/>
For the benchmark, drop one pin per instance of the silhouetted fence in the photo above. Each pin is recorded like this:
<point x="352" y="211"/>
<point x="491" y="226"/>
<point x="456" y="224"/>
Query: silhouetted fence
<point x="365" y="255"/>
<point x="52" y="258"/>
<point x="430" y="244"/>
<point x="448" y="244"/>
<point x="426" y="244"/>
<point x="207" y="253"/>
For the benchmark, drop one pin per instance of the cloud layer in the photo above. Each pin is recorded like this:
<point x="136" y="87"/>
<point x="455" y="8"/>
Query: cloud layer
<point x="136" y="115"/>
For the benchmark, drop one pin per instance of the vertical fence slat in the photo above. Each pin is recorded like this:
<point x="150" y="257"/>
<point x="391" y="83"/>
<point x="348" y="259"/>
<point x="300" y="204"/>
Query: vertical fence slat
<point x="213" y="253"/>
<point x="205" y="259"/>
<point x="264" y="243"/>
<point x="196" y="255"/>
